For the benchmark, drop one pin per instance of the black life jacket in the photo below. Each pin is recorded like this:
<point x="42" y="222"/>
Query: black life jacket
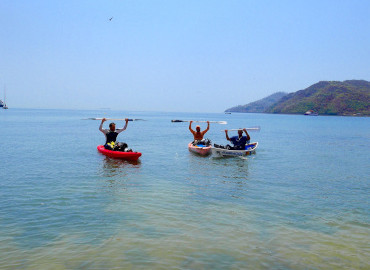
<point x="111" y="136"/>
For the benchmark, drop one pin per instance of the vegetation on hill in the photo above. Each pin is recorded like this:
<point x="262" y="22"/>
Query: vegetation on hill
<point x="350" y="97"/>
<point x="328" y="98"/>
<point x="258" y="106"/>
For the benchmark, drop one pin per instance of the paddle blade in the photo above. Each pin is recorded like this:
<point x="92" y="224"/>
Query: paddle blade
<point x="256" y="129"/>
<point x="116" y="119"/>
<point x="199" y="121"/>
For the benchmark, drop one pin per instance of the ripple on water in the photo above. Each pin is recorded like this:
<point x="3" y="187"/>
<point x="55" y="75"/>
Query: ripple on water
<point x="293" y="205"/>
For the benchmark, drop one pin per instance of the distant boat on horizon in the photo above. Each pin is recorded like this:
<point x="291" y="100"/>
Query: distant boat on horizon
<point x="311" y="113"/>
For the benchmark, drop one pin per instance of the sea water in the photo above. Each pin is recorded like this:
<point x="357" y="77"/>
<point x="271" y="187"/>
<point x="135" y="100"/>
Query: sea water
<point x="301" y="202"/>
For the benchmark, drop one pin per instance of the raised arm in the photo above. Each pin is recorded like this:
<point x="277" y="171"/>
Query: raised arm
<point x="192" y="131"/>
<point x="248" y="137"/>
<point x="124" y="128"/>
<point x="227" y="135"/>
<point x="101" y="125"/>
<point x="205" y="131"/>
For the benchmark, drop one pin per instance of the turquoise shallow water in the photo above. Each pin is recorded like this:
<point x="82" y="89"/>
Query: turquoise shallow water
<point x="301" y="202"/>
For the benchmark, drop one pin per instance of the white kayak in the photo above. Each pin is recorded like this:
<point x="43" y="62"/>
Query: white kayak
<point x="200" y="149"/>
<point x="223" y="152"/>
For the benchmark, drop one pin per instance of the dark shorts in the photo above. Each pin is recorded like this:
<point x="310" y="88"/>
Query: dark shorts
<point x="120" y="146"/>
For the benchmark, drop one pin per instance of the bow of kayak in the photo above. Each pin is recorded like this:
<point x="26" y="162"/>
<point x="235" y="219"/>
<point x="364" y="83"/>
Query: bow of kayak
<point x="200" y="149"/>
<point x="118" y="154"/>
<point x="223" y="152"/>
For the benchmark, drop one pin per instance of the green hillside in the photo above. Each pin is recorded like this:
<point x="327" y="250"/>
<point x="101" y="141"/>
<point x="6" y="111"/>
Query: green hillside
<point x="327" y="98"/>
<point x="259" y="106"/>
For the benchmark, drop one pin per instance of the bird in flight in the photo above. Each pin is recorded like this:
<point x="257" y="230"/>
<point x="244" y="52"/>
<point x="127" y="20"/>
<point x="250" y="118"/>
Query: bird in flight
<point x="110" y="19"/>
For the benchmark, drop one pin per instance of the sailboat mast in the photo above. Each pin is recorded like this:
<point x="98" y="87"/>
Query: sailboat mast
<point x="4" y="106"/>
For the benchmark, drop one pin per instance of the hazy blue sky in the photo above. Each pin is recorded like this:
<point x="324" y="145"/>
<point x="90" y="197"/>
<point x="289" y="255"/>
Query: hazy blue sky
<point x="201" y="56"/>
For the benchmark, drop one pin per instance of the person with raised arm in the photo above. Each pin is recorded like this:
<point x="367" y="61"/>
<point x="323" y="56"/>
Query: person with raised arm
<point x="198" y="135"/>
<point x="111" y="136"/>
<point x="239" y="141"/>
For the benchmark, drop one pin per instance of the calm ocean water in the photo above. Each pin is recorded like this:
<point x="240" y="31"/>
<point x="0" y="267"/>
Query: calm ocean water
<point x="302" y="202"/>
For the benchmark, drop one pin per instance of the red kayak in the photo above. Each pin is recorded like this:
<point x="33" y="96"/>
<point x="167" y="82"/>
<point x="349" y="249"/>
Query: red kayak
<point x="118" y="154"/>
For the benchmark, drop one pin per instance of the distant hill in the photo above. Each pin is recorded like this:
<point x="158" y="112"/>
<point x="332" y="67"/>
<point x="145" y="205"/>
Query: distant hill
<point x="350" y="97"/>
<point x="327" y="98"/>
<point x="258" y="106"/>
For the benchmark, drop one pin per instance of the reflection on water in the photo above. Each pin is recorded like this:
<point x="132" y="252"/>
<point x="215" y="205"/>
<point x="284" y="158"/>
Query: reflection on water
<point x="113" y="162"/>
<point x="231" y="167"/>
<point x="113" y="167"/>
<point x="213" y="180"/>
<point x="118" y="174"/>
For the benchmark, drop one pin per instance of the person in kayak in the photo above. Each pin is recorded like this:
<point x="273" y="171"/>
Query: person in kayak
<point x="239" y="141"/>
<point x="111" y="136"/>
<point x="198" y="135"/>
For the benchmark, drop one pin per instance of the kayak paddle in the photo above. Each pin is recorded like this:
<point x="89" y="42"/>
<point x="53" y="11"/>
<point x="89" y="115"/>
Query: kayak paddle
<point x="249" y="129"/>
<point x="113" y="119"/>
<point x="218" y="122"/>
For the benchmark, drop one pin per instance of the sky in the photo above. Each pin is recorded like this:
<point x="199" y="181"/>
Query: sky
<point x="175" y="55"/>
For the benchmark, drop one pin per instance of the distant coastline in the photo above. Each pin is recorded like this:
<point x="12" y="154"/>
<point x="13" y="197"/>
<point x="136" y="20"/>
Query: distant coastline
<point x="347" y="98"/>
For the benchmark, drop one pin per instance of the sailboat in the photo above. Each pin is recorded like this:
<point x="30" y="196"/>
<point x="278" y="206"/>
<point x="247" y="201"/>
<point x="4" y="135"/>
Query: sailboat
<point x="4" y="103"/>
